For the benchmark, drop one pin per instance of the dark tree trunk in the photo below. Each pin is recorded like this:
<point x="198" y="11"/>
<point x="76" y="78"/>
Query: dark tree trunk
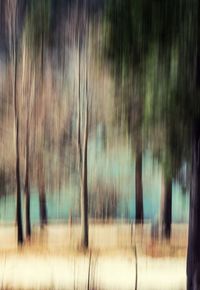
<point x="42" y="194"/>
<point x="17" y="160"/>
<point x="139" y="216"/>
<point x="193" y="252"/>
<point x="27" y="208"/>
<point x="19" y="206"/>
<point x="84" y="188"/>
<point x="166" y="208"/>
<point x="28" y="219"/>
<point x="27" y="185"/>
<point x="193" y="255"/>
<point x="43" y="208"/>
<point x="79" y="109"/>
<point x="27" y="191"/>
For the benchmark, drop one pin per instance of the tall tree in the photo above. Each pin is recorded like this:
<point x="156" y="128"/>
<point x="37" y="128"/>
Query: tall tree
<point x="125" y="51"/>
<point x="38" y="29"/>
<point x="84" y="184"/>
<point x="193" y="257"/>
<point x="12" y="18"/>
<point x="27" y="92"/>
<point x="83" y="145"/>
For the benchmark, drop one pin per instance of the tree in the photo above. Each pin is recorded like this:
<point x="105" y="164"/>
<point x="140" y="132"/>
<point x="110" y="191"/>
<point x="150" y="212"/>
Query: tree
<point x="84" y="183"/>
<point x="38" y="22"/>
<point x="193" y="256"/>
<point x="142" y="39"/>
<point x="166" y="208"/>
<point x="83" y="145"/>
<point x="28" y="88"/>
<point x="125" y="51"/>
<point x="172" y="28"/>
<point x="12" y="13"/>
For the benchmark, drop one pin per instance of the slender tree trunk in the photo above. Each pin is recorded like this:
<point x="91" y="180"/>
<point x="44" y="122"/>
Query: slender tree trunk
<point x="83" y="150"/>
<point x="139" y="216"/>
<point x="84" y="187"/>
<point x="193" y="255"/>
<point x="43" y="208"/>
<point x="17" y="171"/>
<point x="17" y="160"/>
<point x="42" y="194"/>
<point x="28" y="219"/>
<point x="27" y="185"/>
<point x="166" y="208"/>
<point x="79" y="109"/>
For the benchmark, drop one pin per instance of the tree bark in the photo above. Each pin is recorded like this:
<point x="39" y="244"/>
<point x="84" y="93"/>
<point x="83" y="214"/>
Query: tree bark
<point x="139" y="215"/>
<point x="193" y="254"/>
<point x="166" y="208"/>
<point x="84" y="187"/>
<point x="79" y="109"/>
<point x="17" y="155"/>
<point x="27" y="185"/>
<point x="17" y="172"/>
<point x="42" y="194"/>
<point x="28" y="219"/>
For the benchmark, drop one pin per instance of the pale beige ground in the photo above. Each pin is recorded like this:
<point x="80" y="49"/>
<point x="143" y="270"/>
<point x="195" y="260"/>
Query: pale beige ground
<point x="106" y="237"/>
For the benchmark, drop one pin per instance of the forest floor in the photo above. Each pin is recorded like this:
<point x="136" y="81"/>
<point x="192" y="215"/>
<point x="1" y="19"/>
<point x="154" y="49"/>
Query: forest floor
<point x="54" y="259"/>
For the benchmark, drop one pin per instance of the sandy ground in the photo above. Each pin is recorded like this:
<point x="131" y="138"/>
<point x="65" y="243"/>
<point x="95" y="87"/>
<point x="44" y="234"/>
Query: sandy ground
<point x="117" y="273"/>
<point x="53" y="259"/>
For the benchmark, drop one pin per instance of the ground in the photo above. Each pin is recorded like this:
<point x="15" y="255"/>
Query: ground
<point x="54" y="259"/>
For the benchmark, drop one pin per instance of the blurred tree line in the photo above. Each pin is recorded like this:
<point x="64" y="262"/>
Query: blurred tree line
<point x="156" y="44"/>
<point x="132" y="67"/>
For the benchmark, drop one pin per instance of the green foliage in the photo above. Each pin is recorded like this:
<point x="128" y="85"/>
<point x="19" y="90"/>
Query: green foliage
<point x="156" y="43"/>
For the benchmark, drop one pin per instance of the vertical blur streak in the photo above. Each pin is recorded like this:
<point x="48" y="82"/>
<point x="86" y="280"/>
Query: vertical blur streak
<point x="103" y="97"/>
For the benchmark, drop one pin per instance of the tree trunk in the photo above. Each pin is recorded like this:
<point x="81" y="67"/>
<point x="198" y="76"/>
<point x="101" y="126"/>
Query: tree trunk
<point x="27" y="185"/>
<point x="79" y="109"/>
<point x="17" y="171"/>
<point x="193" y="254"/>
<point x="84" y="187"/>
<point x="139" y="216"/>
<point x="17" y="154"/>
<point x="42" y="194"/>
<point x="43" y="208"/>
<point x="27" y="208"/>
<point x="28" y="219"/>
<point x="166" y="208"/>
